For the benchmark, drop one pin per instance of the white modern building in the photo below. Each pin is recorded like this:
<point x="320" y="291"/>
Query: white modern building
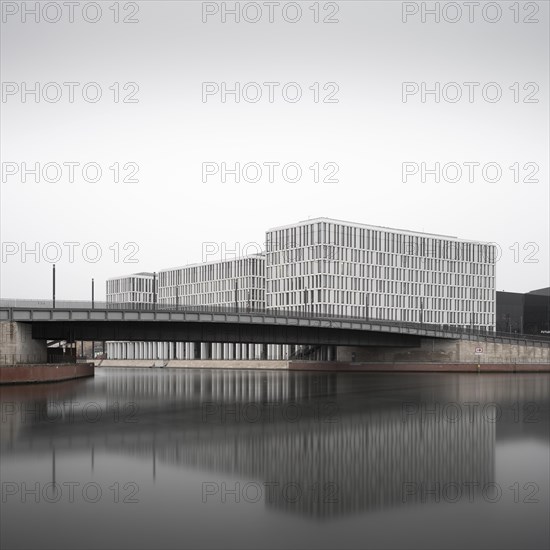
<point x="130" y="289"/>
<point x="326" y="266"/>
<point x="235" y="282"/>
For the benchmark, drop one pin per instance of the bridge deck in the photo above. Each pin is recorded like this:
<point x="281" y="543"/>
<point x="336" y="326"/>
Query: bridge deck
<point x="82" y="312"/>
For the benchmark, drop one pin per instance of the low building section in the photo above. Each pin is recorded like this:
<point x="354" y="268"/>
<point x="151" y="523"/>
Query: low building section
<point x="231" y="283"/>
<point x="524" y="313"/>
<point x="237" y="282"/>
<point x="137" y="288"/>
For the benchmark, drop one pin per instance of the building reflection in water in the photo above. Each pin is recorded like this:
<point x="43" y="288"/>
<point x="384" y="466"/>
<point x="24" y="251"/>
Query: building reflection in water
<point x="348" y="441"/>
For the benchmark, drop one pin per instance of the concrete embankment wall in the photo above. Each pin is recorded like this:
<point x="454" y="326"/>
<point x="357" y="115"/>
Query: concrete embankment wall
<point x="193" y="364"/>
<point x="451" y="351"/>
<point x="20" y="374"/>
<point x="335" y="366"/>
<point x="419" y="367"/>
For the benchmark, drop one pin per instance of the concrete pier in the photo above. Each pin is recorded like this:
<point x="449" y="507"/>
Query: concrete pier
<point x="18" y="346"/>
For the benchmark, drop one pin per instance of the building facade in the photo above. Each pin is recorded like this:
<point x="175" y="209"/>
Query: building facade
<point x="237" y="282"/>
<point x="130" y="289"/>
<point x="330" y="267"/>
<point x="524" y="313"/>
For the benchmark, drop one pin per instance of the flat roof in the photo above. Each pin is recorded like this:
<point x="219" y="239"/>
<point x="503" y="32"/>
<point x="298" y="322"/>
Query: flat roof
<point x="141" y="274"/>
<point x="374" y="227"/>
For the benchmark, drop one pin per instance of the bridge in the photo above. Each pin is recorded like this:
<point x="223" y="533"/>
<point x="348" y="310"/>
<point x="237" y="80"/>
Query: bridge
<point x="84" y="320"/>
<point x="72" y="321"/>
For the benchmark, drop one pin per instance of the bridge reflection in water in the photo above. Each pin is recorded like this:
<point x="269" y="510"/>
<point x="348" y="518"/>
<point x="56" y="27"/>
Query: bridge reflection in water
<point x="351" y="442"/>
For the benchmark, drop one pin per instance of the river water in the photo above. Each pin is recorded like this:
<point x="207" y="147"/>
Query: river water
<point x="176" y="458"/>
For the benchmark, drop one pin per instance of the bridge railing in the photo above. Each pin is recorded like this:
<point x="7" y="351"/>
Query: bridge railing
<point x="457" y="330"/>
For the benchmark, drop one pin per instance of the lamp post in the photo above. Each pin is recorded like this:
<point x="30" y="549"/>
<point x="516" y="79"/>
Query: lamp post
<point x="236" y="295"/>
<point x="521" y="324"/>
<point x="367" y="306"/>
<point x="93" y="305"/>
<point x="155" y="290"/>
<point x="53" y="284"/>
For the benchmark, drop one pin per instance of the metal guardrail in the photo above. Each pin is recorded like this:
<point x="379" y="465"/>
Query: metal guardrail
<point x="456" y="330"/>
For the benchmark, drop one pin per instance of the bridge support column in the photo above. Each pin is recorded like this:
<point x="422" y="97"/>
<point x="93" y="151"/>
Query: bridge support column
<point x="17" y="345"/>
<point x="229" y="352"/>
<point x="206" y="350"/>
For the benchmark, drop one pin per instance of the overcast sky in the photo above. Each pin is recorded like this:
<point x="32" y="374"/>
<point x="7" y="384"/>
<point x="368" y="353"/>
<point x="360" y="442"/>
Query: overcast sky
<point x="170" y="129"/>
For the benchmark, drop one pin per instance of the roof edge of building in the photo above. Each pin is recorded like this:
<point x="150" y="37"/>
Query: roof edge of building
<point x="375" y="227"/>
<point x="212" y="262"/>
<point x="140" y="274"/>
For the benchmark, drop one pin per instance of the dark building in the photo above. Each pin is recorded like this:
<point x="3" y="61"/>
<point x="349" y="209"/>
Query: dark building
<point x="524" y="313"/>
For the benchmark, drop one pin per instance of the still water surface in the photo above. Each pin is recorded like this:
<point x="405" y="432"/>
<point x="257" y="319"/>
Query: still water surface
<point x="173" y="458"/>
